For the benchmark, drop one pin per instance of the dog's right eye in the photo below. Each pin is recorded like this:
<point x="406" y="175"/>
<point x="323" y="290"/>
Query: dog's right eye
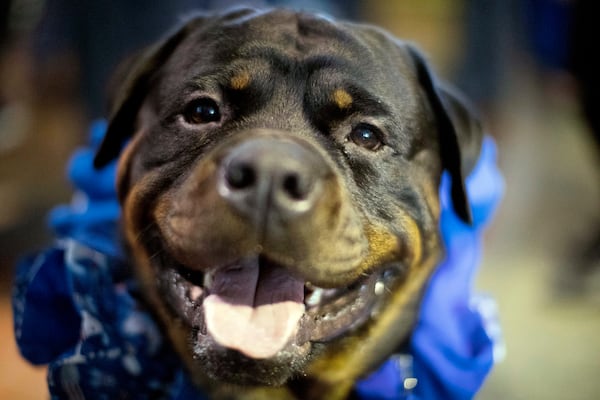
<point x="202" y="111"/>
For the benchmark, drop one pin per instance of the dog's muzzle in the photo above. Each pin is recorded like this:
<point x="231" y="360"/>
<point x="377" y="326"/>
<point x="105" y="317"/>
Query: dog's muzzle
<point x="265" y="247"/>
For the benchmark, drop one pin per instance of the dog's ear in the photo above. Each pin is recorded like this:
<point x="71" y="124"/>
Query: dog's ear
<point x="459" y="129"/>
<point x="134" y="79"/>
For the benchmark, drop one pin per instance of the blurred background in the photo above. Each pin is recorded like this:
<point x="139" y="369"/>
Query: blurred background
<point x="529" y="65"/>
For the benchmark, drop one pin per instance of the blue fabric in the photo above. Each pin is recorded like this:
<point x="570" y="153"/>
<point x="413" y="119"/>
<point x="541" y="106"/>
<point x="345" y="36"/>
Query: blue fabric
<point x="453" y="351"/>
<point x="91" y="217"/>
<point x="41" y="288"/>
<point x="77" y="309"/>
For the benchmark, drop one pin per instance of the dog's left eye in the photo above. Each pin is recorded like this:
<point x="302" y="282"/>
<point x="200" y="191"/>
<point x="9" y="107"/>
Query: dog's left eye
<point x="367" y="136"/>
<point x="202" y="111"/>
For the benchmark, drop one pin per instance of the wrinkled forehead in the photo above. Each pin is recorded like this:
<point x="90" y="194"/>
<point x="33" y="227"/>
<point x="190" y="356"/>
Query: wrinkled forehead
<point x="297" y="35"/>
<point x="282" y="36"/>
<point x="285" y="42"/>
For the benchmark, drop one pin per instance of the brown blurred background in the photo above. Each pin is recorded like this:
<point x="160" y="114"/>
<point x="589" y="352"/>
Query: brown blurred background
<point x="514" y="59"/>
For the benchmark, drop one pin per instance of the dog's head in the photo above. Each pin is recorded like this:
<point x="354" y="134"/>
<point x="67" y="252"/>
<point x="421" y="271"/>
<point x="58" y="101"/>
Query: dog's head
<point x="279" y="191"/>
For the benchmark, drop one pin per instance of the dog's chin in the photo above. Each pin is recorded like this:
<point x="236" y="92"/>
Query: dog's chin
<point x="234" y="368"/>
<point x="273" y="339"/>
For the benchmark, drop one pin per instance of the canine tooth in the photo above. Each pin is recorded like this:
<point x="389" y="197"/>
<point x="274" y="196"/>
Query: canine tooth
<point x="314" y="298"/>
<point x="379" y="288"/>
<point x="195" y="293"/>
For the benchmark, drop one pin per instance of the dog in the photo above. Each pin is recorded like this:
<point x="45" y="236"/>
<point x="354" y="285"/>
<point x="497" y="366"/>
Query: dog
<point x="278" y="173"/>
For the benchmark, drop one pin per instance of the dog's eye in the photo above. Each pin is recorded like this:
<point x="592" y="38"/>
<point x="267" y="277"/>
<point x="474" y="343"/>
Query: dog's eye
<point x="367" y="136"/>
<point x="202" y="111"/>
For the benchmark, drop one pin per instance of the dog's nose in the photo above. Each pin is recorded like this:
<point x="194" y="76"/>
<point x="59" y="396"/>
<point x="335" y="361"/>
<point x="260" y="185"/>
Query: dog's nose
<point x="265" y="176"/>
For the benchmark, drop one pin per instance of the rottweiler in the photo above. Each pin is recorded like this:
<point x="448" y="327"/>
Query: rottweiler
<point x="279" y="185"/>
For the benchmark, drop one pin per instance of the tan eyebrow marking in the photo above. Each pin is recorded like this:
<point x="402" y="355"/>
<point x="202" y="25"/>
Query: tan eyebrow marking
<point x="240" y="81"/>
<point x="342" y="98"/>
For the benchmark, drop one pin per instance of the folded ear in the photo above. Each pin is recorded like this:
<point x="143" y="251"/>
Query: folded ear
<point x="459" y="132"/>
<point x="133" y="87"/>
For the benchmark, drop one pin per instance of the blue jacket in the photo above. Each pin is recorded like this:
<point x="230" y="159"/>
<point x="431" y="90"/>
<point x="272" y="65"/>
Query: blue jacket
<point x="76" y="306"/>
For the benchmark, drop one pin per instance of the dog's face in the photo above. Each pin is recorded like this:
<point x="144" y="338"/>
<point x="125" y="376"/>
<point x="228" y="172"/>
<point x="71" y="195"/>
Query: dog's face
<point x="279" y="192"/>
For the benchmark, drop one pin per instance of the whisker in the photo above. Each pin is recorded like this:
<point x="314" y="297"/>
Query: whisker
<point x="155" y="254"/>
<point x="143" y="231"/>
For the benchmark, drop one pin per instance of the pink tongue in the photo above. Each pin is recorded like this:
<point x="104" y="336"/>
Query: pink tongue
<point x="256" y="315"/>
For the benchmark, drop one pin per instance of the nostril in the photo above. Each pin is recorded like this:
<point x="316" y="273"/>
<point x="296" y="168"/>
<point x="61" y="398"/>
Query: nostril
<point x="295" y="187"/>
<point x="240" y="176"/>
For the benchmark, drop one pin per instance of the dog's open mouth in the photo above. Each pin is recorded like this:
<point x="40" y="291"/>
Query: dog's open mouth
<point x="258" y="308"/>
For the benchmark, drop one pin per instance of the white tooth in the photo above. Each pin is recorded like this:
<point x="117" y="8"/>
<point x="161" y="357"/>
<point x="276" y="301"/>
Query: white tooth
<point x="379" y="288"/>
<point x="195" y="293"/>
<point x="315" y="297"/>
